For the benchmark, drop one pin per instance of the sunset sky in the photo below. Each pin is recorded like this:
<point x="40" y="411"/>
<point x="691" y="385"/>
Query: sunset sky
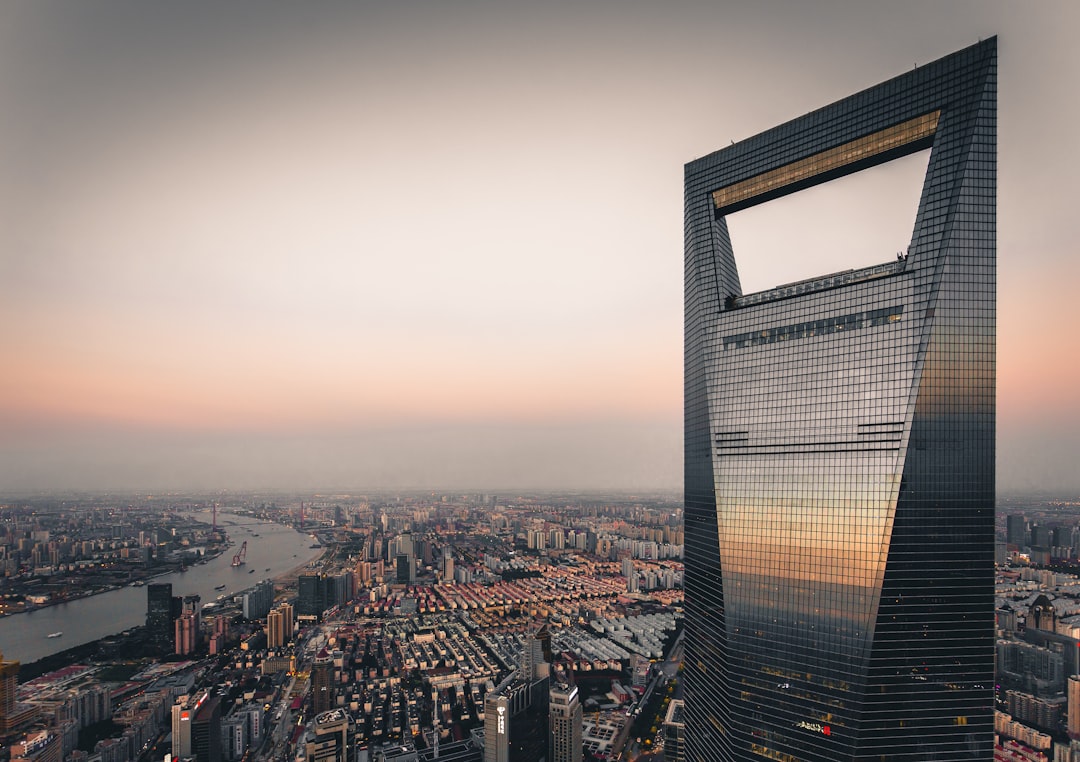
<point x="439" y="244"/>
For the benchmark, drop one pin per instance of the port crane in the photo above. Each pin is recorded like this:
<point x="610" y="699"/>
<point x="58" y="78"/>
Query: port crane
<point x="241" y="555"/>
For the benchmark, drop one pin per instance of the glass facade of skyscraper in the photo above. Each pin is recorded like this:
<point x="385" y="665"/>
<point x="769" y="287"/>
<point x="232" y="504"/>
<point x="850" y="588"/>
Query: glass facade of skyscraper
<point x="840" y="448"/>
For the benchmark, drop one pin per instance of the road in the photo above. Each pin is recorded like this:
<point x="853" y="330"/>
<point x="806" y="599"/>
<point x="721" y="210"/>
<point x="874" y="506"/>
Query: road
<point x="667" y="671"/>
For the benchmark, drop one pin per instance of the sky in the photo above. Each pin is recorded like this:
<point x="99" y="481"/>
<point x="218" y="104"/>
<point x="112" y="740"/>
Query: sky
<point x="439" y="244"/>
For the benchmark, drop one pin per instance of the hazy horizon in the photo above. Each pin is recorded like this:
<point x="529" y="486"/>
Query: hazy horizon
<point x="278" y="246"/>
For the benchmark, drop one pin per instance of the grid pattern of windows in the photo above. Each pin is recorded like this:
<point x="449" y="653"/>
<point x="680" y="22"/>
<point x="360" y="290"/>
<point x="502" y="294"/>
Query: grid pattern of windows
<point x="840" y="458"/>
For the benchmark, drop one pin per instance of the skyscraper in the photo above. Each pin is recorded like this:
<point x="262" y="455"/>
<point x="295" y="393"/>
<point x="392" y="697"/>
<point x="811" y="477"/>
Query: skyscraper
<point x="259" y="601"/>
<point x="275" y="629"/>
<point x="162" y="609"/>
<point x="186" y="633"/>
<point x="564" y="717"/>
<point x="322" y="682"/>
<point x="1016" y="530"/>
<point x="314" y="595"/>
<point x="1074" y="706"/>
<point x="516" y="721"/>
<point x="9" y="684"/>
<point x="840" y="447"/>
<point x="516" y="712"/>
<point x="536" y="654"/>
<point x="182" y="713"/>
<point x="206" y="730"/>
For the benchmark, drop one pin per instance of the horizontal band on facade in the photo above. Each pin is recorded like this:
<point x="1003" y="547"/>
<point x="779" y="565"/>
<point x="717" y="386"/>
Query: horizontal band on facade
<point x="913" y="134"/>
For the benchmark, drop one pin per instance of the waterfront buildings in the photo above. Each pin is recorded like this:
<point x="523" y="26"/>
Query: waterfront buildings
<point x="161" y="611"/>
<point x="9" y="679"/>
<point x="259" y="601"/>
<point x="186" y="633"/>
<point x="840" y="447"/>
<point x="13" y="715"/>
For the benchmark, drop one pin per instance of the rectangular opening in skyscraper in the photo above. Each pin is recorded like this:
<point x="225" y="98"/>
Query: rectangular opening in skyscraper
<point x="857" y="221"/>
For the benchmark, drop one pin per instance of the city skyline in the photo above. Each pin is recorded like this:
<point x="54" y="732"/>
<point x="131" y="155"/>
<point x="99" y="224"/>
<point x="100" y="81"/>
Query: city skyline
<point x="271" y="247"/>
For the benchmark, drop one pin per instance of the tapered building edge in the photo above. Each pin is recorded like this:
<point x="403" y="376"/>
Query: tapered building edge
<point x="916" y="698"/>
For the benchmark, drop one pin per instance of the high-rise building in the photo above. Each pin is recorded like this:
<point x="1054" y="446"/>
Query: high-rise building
<point x="674" y="733"/>
<point x="322" y="682"/>
<point x="9" y="685"/>
<point x="219" y="635"/>
<point x="536" y="654"/>
<point x="564" y="722"/>
<point x="161" y="611"/>
<point x="403" y="567"/>
<point x="1016" y="530"/>
<point x="288" y="619"/>
<point x="447" y="564"/>
<point x="314" y="593"/>
<point x="516" y="712"/>
<point x="516" y="721"/>
<point x="183" y="714"/>
<point x="275" y="629"/>
<point x="186" y="633"/>
<point x="234" y="740"/>
<point x="330" y="739"/>
<point x="206" y="730"/>
<point x="259" y="600"/>
<point x="630" y="574"/>
<point x="1074" y="707"/>
<point x="839" y="452"/>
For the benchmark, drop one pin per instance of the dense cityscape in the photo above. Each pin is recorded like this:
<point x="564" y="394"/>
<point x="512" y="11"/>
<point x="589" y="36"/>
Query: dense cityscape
<point x="419" y="616"/>
<point x="410" y="625"/>
<point x="428" y="253"/>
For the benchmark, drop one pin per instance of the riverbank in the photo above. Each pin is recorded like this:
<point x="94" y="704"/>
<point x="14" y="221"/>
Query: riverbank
<point x="137" y="577"/>
<point x="126" y="643"/>
<point x="288" y="578"/>
<point x="280" y="552"/>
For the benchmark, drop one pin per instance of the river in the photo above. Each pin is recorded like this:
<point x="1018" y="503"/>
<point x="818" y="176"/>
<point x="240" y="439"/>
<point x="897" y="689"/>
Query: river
<point x="276" y="550"/>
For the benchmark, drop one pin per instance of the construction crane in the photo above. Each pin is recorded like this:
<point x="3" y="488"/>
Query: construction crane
<point x="238" y="559"/>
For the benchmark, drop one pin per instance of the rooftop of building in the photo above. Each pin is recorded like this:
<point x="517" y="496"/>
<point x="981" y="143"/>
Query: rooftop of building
<point x="334" y="715"/>
<point x="675" y="713"/>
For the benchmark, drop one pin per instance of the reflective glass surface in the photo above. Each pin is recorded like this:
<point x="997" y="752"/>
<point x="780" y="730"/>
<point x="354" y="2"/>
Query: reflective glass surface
<point x="840" y="456"/>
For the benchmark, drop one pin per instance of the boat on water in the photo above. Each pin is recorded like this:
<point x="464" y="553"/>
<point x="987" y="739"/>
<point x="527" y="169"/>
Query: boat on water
<point x="220" y="587"/>
<point x="54" y="635"/>
<point x="251" y="571"/>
